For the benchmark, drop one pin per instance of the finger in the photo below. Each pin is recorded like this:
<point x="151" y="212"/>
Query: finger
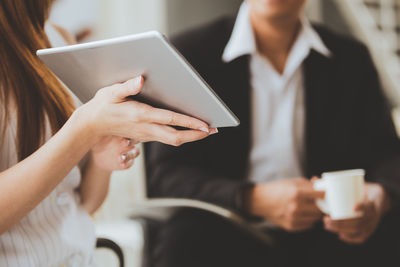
<point x="135" y="152"/>
<point x="125" y="157"/>
<point x="170" y="136"/>
<point x="307" y="209"/>
<point x="131" y="87"/>
<point x="366" y="208"/>
<point x="128" y="164"/>
<point x="130" y="141"/>
<point x="311" y="194"/>
<point x="127" y="146"/>
<point x="310" y="216"/>
<point x="300" y="226"/>
<point x="349" y="226"/>
<point x="353" y="240"/>
<point x="314" y="179"/>
<point x="166" y="117"/>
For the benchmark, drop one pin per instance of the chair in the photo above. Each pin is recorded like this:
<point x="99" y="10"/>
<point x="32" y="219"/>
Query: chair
<point x="109" y="244"/>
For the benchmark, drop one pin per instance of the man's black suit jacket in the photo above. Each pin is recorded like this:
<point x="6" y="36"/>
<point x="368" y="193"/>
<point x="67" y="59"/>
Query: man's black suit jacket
<point x="348" y="124"/>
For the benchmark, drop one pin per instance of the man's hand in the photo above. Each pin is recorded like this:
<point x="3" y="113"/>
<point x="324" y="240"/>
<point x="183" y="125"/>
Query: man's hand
<point x="358" y="230"/>
<point x="290" y="204"/>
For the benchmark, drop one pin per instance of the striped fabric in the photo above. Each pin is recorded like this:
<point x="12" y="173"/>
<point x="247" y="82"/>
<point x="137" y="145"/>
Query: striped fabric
<point x="58" y="232"/>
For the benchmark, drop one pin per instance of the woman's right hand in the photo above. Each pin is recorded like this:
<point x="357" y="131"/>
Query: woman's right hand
<point x="110" y="113"/>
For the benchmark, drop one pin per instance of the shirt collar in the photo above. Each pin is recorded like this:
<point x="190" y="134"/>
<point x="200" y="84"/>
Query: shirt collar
<point x="242" y="41"/>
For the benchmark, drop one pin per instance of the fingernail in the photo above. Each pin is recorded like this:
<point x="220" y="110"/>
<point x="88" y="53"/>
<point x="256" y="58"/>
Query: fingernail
<point x="128" y="142"/>
<point x="123" y="157"/>
<point x="138" y="81"/>
<point x="213" y="131"/>
<point x="204" y="129"/>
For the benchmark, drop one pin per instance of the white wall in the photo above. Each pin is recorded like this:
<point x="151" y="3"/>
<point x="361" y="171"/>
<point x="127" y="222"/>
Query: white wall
<point x="75" y="14"/>
<point x="121" y="17"/>
<point x="185" y="14"/>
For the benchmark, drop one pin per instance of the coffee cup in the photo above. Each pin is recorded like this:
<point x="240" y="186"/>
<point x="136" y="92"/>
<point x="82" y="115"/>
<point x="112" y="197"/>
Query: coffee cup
<point x="343" y="191"/>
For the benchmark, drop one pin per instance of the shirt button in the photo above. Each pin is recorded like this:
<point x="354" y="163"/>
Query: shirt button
<point x="62" y="199"/>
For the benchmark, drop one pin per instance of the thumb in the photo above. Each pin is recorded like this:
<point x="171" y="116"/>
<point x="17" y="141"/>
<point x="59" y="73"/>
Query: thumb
<point x="314" y="179"/>
<point x="129" y="88"/>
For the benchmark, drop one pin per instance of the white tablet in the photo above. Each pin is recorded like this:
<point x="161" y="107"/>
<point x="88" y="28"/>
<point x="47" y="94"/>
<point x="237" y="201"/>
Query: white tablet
<point x="170" y="81"/>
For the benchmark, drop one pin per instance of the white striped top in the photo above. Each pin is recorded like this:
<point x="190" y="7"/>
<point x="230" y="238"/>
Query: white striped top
<point x="58" y="232"/>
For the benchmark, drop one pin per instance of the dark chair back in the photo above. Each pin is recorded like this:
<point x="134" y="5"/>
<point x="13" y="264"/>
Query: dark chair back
<point x="109" y="244"/>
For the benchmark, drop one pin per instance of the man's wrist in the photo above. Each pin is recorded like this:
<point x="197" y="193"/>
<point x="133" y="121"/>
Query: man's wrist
<point x="251" y="203"/>
<point x="243" y="200"/>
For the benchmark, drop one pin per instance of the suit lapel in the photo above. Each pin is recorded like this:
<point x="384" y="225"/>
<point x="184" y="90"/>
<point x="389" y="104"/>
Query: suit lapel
<point x="235" y="78"/>
<point x="320" y="104"/>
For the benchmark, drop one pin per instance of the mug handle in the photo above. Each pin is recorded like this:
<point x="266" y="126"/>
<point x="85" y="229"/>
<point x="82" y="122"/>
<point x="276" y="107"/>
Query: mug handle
<point x="320" y="185"/>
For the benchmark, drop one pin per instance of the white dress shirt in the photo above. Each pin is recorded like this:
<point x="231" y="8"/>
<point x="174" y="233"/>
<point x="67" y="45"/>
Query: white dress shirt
<point x="58" y="232"/>
<point x="277" y="109"/>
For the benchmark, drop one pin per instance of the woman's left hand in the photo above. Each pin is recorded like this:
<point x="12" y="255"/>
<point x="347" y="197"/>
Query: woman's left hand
<point x="358" y="230"/>
<point x="114" y="153"/>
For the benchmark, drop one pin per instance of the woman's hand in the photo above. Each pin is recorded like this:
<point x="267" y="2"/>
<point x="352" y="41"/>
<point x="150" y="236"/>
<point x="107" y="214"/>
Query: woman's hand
<point x="110" y="113"/>
<point x="110" y="154"/>
<point x="358" y="230"/>
<point x="114" y="153"/>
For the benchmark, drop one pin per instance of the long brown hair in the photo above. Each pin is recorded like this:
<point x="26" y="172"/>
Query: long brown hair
<point x="24" y="78"/>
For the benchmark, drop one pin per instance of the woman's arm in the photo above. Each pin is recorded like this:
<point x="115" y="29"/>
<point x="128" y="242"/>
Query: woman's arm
<point x="94" y="187"/>
<point x="25" y="185"/>
<point x="111" y="153"/>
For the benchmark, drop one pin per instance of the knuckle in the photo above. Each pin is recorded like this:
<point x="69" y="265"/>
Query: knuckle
<point x="290" y="226"/>
<point x="139" y="112"/>
<point x="173" y="140"/>
<point x="295" y="195"/>
<point x="172" y="118"/>
<point x="101" y="92"/>
<point x="189" y="124"/>
<point x="144" y="112"/>
<point x="294" y="208"/>
<point x="114" y="91"/>
<point x="177" y="141"/>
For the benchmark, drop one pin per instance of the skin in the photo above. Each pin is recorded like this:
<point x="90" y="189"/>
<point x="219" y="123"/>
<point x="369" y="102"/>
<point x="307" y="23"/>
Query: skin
<point x="275" y="24"/>
<point x="290" y="203"/>
<point x="356" y="231"/>
<point x="109" y="113"/>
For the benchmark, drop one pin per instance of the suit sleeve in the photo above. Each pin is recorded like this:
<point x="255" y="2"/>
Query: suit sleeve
<point x="183" y="172"/>
<point x="380" y="138"/>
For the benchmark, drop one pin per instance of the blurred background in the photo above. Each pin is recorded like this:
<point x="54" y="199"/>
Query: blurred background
<point x="375" y="22"/>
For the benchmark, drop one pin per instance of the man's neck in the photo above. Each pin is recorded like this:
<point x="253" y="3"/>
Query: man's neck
<point x="275" y="39"/>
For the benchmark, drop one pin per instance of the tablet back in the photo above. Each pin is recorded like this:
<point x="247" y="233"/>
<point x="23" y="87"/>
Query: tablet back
<point x="170" y="82"/>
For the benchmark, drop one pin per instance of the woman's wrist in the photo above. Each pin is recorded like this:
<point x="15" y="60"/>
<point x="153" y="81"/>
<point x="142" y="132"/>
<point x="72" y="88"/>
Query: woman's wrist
<point x="91" y="166"/>
<point x="85" y="125"/>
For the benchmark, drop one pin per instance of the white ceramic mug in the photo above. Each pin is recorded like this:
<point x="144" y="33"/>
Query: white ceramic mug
<point x="343" y="191"/>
